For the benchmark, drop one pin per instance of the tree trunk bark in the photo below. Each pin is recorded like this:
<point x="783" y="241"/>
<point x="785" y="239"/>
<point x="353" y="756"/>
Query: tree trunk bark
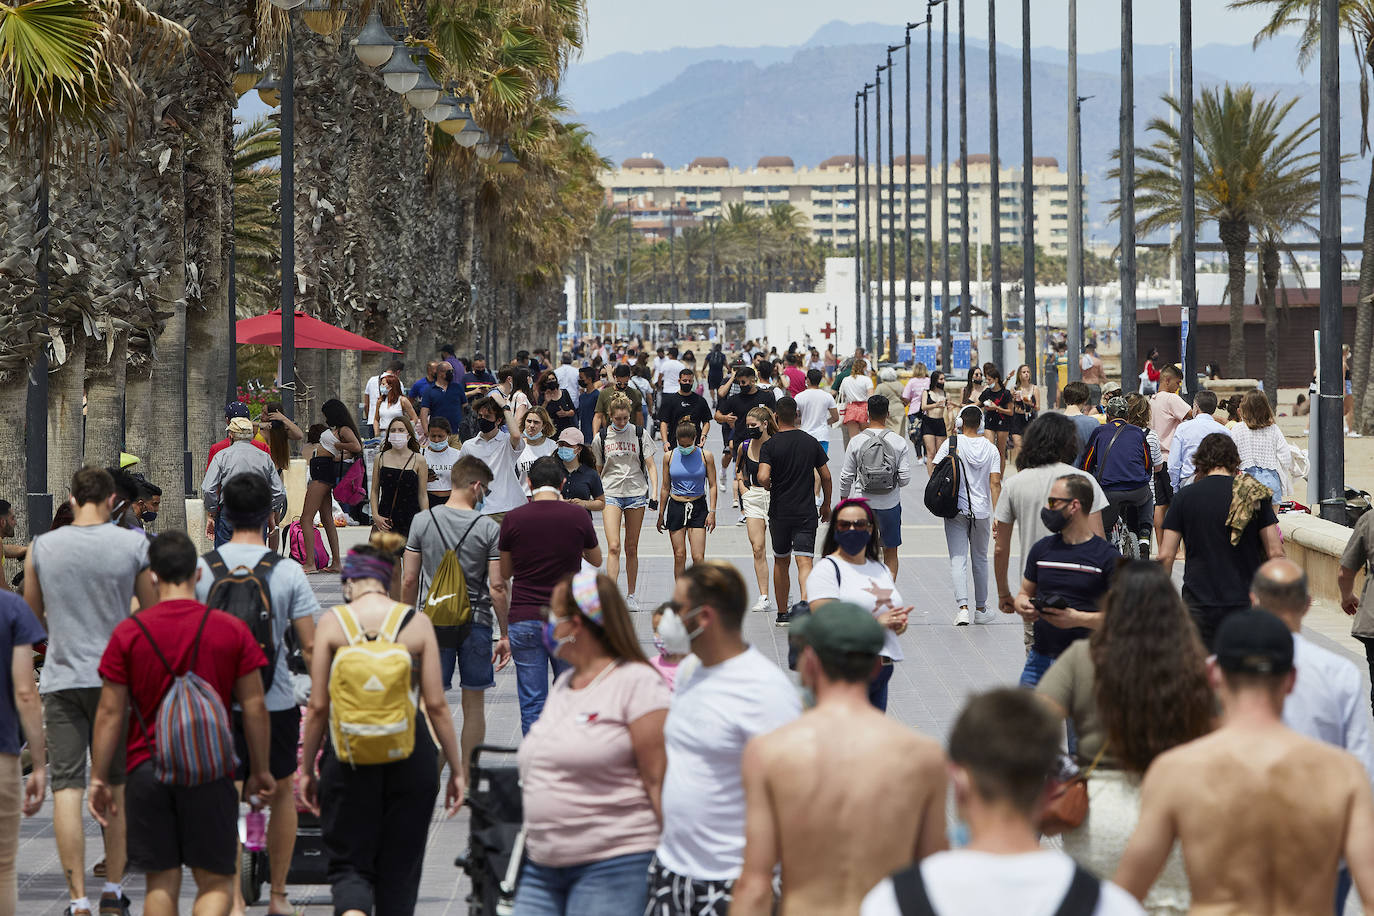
<point x="138" y="415"/>
<point x="1235" y="236"/>
<point x="164" y="456"/>
<point x="1270" y="268"/>
<point x="1362" y="352"/>
<point x="105" y="398"/>
<point x="66" y="423"/>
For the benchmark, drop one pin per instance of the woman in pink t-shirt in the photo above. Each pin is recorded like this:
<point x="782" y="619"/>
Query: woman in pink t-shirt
<point x="592" y="764"/>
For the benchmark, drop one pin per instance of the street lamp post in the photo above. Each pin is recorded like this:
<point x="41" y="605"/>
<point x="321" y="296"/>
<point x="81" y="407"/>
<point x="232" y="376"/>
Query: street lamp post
<point x="966" y="299"/>
<point x="1187" y="195"/>
<point x="1075" y="258"/>
<point x="38" y="501"/>
<point x="1126" y="193"/>
<point x="1331" y="456"/>
<point x="860" y="328"/>
<point x="288" y="232"/>
<point x="859" y="165"/>
<point x="944" y="196"/>
<point x="891" y="217"/>
<point x="910" y="331"/>
<point x="875" y="312"/>
<point x="930" y="168"/>
<point x="1027" y="200"/>
<point x="999" y="355"/>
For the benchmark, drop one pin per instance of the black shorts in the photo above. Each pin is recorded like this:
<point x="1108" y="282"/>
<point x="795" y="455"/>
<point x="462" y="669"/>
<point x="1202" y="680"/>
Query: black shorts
<point x="324" y="469"/>
<point x="994" y="422"/>
<point x="1019" y="422"/>
<point x="1164" y="491"/>
<point x="933" y="426"/>
<point x="284" y="737"/>
<point x="172" y="826"/>
<point x="686" y="515"/>
<point x="793" y="536"/>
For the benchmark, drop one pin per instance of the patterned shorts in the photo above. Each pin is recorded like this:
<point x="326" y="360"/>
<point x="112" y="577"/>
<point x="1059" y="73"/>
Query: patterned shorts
<point x="671" y="894"/>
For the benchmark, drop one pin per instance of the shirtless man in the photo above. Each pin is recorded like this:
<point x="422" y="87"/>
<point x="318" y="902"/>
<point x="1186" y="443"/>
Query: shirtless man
<point x="1264" y="814"/>
<point x="842" y="796"/>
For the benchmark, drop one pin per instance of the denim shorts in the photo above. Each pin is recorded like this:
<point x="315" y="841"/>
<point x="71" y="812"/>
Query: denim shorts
<point x="628" y="502"/>
<point x="890" y="525"/>
<point x="472" y="659"/>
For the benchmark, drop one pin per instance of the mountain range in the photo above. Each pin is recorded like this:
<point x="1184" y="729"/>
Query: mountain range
<point x="744" y="103"/>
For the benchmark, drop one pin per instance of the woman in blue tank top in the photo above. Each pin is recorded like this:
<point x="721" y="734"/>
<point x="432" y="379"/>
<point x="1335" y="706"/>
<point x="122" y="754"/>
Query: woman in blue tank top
<point x="689" y="482"/>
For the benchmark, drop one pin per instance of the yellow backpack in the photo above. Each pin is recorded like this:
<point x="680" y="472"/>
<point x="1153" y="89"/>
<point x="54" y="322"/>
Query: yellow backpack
<point x="371" y="698"/>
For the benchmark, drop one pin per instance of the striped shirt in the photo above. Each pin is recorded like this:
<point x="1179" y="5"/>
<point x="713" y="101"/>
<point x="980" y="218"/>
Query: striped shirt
<point x="1077" y="573"/>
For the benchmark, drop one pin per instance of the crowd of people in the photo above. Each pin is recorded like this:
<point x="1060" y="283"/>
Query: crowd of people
<point x="1160" y="732"/>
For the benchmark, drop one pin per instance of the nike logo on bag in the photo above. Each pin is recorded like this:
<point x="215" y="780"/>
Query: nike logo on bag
<point x="435" y="599"/>
<point x="374" y="684"/>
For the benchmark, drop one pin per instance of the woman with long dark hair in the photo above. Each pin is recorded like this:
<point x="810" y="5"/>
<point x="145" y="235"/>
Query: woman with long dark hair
<point x="555" y="401"/>
<point x="1025" y="398"/>
<point x="934" y="406"/>
<point x="340" y="444"/>
<point x="399" y="476"/>
<point x="1133" y="690"/>
<point x="277" y="432"/>
<point x="852" y="569"/>
<point x="759" y="426"/>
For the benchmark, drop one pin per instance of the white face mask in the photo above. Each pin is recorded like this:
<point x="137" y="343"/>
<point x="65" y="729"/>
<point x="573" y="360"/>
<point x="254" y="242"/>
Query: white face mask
<point x="398" y="440"/>
<point x="672" y="630"/>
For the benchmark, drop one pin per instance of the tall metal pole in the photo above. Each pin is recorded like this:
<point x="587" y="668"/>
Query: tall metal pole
<point x="672" y="270"/>
<point x="994" y="156"/>
<point x="1126" y="194"/>
<point x="858" y="222"/>
<point x="38" y="501"/>
<point x="629" y="246"/>
<point x="875" y="313"/>
<point x="930" y="168"/>
<point x="944" y="195"/>
<point x="906" y="194"/>
<point x="1188" y="195"/>
<point x="1331" y="455"/>
<point x="231" y="372"/>
<point x="891" y="216"/>
<point x="1027" y="200"/>
<point x="965" y="299"/>
<point x="1075" y="259"/>
<point x="288" y="233"/>
<point x="861" y="329"/>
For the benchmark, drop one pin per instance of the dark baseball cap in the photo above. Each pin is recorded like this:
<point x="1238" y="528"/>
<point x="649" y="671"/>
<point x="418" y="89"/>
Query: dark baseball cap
<point x="235" y="409"/>
<point x="840" y="626"/>
<point x="1254" y="642"/>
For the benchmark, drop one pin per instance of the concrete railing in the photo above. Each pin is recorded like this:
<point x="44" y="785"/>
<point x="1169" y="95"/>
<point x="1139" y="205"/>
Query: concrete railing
<point x="1316" y="545"/>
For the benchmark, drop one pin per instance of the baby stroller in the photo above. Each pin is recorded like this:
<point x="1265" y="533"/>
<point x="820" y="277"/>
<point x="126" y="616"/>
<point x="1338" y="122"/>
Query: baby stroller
<point x="495" y="835"/>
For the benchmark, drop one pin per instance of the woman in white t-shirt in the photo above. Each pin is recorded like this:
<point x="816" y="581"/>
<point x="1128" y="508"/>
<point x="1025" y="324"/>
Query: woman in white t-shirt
<point x="854" y="392"/>
<point x="538" y="431"/>
<point x="852" y="570"/>
<point x="968" y="532"/>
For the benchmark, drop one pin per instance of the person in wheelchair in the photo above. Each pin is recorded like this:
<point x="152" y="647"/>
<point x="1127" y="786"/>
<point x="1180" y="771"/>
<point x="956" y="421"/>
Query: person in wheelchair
<point x="1122" y="457"/>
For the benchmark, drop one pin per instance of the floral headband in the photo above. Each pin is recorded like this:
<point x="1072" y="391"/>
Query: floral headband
<point x="587" y="596"/>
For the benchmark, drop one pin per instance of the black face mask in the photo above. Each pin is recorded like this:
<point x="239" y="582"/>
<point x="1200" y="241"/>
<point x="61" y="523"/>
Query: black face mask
<point x="685" y="387"/>
<point x="1053" y="519"/>
<point x="621" y="386"/>
<point x="551" y="386"/>
<point x="752" y="432"/>
<point x="486" y="425"/>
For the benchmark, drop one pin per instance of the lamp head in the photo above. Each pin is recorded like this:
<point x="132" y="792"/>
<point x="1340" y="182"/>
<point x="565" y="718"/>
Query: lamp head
<point x="426" y="92"/>
<point x="401" y="72"/>
<point x="269" y="90"/>
<point x="373" y="45"/>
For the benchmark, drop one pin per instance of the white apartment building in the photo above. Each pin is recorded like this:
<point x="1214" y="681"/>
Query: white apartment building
<point x="825" y="196"/>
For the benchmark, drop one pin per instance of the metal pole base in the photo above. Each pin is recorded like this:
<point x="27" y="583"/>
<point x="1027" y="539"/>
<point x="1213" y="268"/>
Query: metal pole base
<point x="40" y="513"/>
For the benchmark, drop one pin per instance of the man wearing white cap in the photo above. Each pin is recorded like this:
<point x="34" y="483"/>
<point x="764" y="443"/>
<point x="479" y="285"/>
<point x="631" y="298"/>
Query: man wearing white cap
<point x="240" y="457"/>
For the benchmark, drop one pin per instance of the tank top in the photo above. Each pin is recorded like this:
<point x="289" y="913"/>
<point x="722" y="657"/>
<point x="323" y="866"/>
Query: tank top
<point x="386" y="413"/>
<point x="329" y="441"/>
<point x="688" y="473"/>
<point x="750" y="468"/>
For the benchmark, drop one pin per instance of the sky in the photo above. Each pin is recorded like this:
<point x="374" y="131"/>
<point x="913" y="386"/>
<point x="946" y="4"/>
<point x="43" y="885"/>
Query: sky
<point x="624" y="25"/>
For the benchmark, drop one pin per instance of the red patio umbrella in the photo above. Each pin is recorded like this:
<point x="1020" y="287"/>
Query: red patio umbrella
<point x="311" y="334"/>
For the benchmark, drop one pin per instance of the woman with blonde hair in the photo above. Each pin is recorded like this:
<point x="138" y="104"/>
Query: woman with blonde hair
<point x="592" y="765"/>
<point x="854" y="392"/>
<point x="538" y="431"/>
<point x="1264" y="450"/>
<point x="629" y="476"/>
<point x="913" y="397"/>
<point x="759" y="427"/>
<point x="1025" y="398"/>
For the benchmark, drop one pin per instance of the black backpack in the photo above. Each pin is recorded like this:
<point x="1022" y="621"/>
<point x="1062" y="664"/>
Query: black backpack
<point x="942" y="489"/>
<point x="243" y="593"/>
<point x="912" y="900"/>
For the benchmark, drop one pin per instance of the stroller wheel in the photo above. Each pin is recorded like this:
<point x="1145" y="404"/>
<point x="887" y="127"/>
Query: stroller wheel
<point x="252" y="870"/>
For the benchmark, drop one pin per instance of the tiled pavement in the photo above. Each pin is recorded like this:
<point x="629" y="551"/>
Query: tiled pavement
<point x="943" y="665"/>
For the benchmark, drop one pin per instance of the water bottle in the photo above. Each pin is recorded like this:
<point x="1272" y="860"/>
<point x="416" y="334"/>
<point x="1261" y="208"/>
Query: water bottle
<point x="255" y="831"/>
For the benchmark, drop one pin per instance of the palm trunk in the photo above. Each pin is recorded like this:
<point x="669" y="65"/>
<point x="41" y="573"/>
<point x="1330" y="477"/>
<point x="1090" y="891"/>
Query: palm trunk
<point x="105" y="398"/>
<point x="1235" y="236"/>
<point x="1362" y="373"/>
<point x="164" y="455"/>
<point x="138" y="413"/>
<point x="1270" y="268"/>
<point x="66" y="392"/>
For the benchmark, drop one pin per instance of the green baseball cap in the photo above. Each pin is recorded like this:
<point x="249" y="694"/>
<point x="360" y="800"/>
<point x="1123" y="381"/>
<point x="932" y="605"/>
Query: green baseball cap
<point x="840" y="626"/>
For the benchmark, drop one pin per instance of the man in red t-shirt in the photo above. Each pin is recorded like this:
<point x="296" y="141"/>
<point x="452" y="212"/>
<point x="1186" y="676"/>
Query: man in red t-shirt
<point x="233" y="409"/>
<point x="172" y="826"/>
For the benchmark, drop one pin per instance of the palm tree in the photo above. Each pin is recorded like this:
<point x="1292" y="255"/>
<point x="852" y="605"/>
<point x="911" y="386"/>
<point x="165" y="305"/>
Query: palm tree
<point x="257" y="187"/>
<point x="1357" y="18"/>
<point x="1243" y="151"/>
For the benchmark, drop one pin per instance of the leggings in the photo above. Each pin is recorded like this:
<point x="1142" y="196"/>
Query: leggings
<point x="1142" y="498"/>
<point x="375" y="821"/>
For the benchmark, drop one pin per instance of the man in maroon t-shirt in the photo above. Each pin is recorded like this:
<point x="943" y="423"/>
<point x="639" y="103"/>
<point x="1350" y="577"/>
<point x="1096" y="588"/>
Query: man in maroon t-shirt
<point x="542" y="543"/>
<point x="172" y="826"/>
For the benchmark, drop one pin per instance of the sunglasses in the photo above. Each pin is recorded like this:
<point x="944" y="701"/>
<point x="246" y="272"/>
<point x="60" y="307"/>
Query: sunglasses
<point x="1054" y="502"/>
<point x="860" y="525"/>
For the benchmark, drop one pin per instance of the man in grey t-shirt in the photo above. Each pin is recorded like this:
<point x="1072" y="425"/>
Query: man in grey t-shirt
<point x="459" y="525"/>
<point x="79" y="580"/>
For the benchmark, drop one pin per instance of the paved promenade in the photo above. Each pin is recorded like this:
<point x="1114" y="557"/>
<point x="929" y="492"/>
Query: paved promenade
<point x="943" y="665"/>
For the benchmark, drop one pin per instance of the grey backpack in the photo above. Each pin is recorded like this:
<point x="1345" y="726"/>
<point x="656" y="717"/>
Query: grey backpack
<point x="877" y="471"/>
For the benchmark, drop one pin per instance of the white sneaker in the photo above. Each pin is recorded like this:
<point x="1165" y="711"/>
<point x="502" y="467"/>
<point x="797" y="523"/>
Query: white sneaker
<point x="631" y="603"/>
<point x="983" y="615"/>
<point x="723" y="487"/>
<point x="763" y="605"/>
<point x="961" y="619"/>
<point x="741" y="520"/>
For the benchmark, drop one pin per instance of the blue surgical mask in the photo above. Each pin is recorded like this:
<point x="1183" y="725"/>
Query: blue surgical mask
<point x="620" y="427"/>
<point x="438" y="446"/>
<point x="566" y="453"/>
<point x="686" y="449"/>
<point x="538" y="437"/>
<point x="552" y="643"/>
